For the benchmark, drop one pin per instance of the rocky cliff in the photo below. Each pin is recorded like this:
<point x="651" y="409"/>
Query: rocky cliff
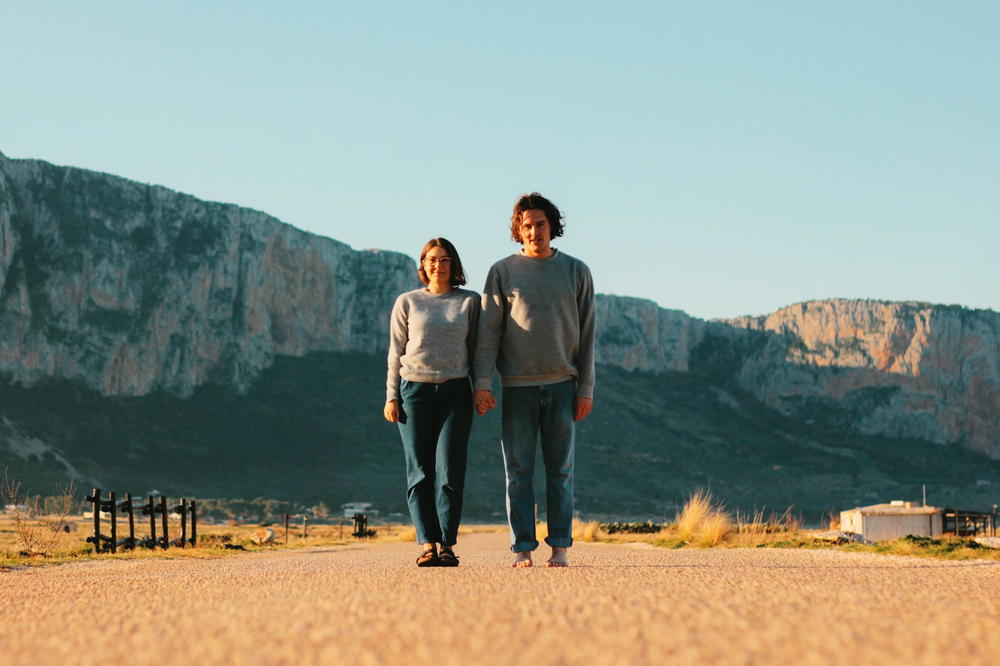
<point x="913" y="370"/>
<point x="132" y="288"/>
<point x="897" y="369"/>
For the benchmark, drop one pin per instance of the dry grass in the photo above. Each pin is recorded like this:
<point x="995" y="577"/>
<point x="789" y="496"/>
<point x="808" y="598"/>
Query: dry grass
<point x="701" y="522"/>
<point x="589" y="531"/>
<point x="407" y="533"/>
<point x="37" y="531"/>
<point x="214" y="540"/>
<point x="714" y="529"/>
<point x="754" y="529"/>
<point x="698" y="507"/>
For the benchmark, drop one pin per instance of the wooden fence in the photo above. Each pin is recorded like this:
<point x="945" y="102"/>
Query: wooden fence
<point x="152" y="509"/>
<point x="361" y="529"/>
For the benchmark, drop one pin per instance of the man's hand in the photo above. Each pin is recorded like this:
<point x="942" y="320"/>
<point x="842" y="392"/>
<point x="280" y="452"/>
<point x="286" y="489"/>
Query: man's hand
<point x="391" y="411"/>
<point x="583" y="407"/>
<point x="483" y="401"/>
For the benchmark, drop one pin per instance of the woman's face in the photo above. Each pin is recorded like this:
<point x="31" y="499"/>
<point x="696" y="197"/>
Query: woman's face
<point x="437" y="265"/>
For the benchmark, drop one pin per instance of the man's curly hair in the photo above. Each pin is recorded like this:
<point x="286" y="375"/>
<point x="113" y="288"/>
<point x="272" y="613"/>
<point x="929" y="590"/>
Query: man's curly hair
<point x="535" y="201"/>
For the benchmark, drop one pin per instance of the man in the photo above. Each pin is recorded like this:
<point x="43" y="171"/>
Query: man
<point x="537" y="329"/>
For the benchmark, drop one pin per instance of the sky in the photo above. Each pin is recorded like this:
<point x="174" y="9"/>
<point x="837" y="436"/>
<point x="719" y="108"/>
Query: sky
<point x="721" y="158"/>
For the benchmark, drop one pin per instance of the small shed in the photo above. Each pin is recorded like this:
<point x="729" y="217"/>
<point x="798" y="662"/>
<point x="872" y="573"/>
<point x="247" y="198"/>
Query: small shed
<point x="882" y="522"/>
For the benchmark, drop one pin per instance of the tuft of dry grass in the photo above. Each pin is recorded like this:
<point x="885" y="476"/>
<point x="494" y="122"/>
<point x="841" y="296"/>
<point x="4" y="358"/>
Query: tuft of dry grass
<point x="714" y="528"/>
<point x="589" y="531"/>
<point x="698" y="506"/>
<point x="702" y="521"/>
<point x="755" y="529"/>
<point x="38" y="531"/>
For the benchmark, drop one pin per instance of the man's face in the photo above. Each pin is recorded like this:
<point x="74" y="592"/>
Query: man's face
<point x="535" y="233"/>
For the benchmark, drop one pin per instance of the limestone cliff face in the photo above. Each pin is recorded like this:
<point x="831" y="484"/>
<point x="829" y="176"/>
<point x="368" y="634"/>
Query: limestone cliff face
<point x="917" y="370"/>
<point x="897" y="369"/>
<point x="637" y="334"/>
<point x="132" y="288"/>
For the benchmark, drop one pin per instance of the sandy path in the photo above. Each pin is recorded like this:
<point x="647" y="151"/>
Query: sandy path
<point x="618" y="605"/>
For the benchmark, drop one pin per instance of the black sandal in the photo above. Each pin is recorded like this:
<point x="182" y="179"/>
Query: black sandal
<point x="428" y="558"/>
<point x="448" y="558"/>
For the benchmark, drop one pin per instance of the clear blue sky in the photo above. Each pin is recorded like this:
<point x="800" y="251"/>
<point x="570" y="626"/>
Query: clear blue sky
<point x="722" y="158"/>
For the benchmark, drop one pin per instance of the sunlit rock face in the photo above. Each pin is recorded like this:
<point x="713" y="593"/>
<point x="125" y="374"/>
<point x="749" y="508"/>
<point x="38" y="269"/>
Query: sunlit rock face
<point x="133" y="288"/>
<point x="636" y="334"/>
<point x="915" y="370"/>
<point x="896" y="369"/>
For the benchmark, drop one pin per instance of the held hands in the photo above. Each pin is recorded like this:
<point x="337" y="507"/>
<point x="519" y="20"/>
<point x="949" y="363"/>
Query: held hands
<point x="391" y="411"/>
<point x="483" y="401"/>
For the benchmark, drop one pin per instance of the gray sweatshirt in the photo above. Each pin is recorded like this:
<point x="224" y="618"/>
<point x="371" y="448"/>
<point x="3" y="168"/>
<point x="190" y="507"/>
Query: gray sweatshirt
<point x="537" y="324"/>
<point x="431" y="337"/>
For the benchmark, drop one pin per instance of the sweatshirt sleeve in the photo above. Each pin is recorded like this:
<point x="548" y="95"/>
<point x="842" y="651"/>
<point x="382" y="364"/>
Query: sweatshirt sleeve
<point x="398" y="337"/>
<point x="473" y="334"/>
<point x="491" y="320"/>
<point x="585" y="358"/>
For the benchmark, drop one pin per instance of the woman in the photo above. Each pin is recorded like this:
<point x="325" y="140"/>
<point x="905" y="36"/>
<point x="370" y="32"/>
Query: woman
<point x="428" y="393"/>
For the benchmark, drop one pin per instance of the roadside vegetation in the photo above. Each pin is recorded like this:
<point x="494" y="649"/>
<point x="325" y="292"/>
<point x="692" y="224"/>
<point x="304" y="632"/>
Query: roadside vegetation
<point x="37" y="530"/>
<point x="52" y="530"/>
<point x="214" y="540"/>
<point x="43" y="530"/>
<point x="704" y="522"/>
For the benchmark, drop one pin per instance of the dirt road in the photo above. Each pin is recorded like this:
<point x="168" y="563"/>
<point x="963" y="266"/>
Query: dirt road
<point x="617" y="605"/>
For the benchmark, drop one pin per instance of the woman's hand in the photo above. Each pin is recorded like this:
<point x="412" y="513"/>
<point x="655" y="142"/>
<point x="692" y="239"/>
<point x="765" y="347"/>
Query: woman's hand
<point x="483" y="401"/>
<point x="391" y="411"/>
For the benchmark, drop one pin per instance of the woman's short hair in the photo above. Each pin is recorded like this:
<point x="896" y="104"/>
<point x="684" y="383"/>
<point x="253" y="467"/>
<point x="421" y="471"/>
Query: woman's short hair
<point x="457" y="272"/>
<point x="536" y="201"/>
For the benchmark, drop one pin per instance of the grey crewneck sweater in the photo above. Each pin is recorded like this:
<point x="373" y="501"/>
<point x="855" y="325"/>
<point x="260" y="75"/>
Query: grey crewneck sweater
<point x="537" y="323"/>
<point x="431" y="337"/>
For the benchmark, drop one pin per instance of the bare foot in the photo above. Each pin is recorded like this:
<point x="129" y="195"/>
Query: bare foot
<point x="522" y="559"/>
<point x="559" y="559"/>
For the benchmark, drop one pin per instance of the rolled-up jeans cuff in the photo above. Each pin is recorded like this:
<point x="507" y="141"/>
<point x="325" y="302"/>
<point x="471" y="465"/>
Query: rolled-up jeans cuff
<point x="521" y="546"/>
<point x="559" y="542"/>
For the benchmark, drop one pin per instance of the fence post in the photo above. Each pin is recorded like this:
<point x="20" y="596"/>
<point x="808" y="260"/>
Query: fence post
<point x="166" y="533"/>
<point x="286" y="529"/>
<point x="127" y="504"/>
<point x="360" y="525"/>
<point x="152" y="521"/>
<point x="114" y="521"/>
<point x="96" y="499"/>
<point x="305" y="526"/>
<point x="194" y="525"/>
<point x="184" y="521"/>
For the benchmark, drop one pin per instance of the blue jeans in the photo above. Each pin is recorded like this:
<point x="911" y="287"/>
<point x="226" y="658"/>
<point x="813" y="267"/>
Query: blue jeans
<point x="528" y="411"/>
<point x="435" y="423"/>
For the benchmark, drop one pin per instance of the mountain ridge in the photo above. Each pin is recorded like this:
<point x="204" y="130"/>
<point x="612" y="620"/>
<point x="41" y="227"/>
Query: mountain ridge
<point x="138" y="308"/>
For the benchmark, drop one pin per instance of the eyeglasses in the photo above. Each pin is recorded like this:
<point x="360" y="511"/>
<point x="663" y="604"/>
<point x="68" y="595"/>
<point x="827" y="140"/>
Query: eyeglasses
<point x="434" y="261"/>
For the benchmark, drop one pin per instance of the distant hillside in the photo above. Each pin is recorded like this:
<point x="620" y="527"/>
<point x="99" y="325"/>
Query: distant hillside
<point x="152" y="339"/>
<point x="310" y="429"/>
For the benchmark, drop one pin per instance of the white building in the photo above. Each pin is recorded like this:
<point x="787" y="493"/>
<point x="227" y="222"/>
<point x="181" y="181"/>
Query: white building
<point x="883" y="522"/>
